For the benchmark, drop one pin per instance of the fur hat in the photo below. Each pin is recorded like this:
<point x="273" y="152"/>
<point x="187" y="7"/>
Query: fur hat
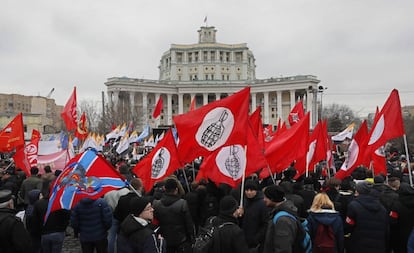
<point x="275" y="193"/>
<point x="228" y="205"/>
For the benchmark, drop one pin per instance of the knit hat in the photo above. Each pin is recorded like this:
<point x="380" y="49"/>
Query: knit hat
<point x="228" y="205"/>
<point x="363" y="187"/>
<point x="379" y="179"/>
<point x="275" y="193"/>
<point x="138" y="204"/>
<point x="251" y="185"/>
<point x="5" y="195"/>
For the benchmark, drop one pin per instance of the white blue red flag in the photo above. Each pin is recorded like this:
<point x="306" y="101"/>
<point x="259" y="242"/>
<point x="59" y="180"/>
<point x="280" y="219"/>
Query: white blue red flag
<point x="87" y="175"/>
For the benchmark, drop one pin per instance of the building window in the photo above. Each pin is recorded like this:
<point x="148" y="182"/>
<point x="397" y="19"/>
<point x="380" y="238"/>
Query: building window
<point x="196" y="56"/>
<point x="213" y="56"/>
<point x="179" y="57"/>
<point x="239" y="56"/>
<point x="227" y="56"/>
<point x="190" y="57"/>
<point x="222" y="77"/>
<point x="205" y="56"/>
<point x="212" y="77"/>
<point x="206" y="77"/>
<point x="221" y="56"/>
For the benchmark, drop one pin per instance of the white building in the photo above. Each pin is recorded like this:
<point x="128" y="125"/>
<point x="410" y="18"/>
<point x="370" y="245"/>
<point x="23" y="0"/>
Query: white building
<point x="208" y="71"/>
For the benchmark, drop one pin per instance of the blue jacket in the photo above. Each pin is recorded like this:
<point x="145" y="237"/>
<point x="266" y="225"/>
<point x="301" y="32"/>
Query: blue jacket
<point x="91" y="219"/>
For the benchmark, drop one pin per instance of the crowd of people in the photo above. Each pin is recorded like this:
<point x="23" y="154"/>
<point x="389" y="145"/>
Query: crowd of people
<point x="361" y="213"/>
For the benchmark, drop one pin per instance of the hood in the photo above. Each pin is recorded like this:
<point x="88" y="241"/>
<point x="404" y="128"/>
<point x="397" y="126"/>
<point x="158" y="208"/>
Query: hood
<point x="369" y="202"/>
<point x="287" y="206"/>
<point x="130" y="225"/>
<point x="86" y="201"/>
<point x="33" y="196"/>
<point x="169" y="199"/>
<point x="406" y="195"/>
<point x="326" y="217"/>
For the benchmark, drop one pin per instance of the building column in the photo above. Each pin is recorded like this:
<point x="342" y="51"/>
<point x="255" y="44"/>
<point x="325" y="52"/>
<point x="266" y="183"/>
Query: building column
<point x="217" y="96"/>
<point x="205" y="98"/>
<point x="253" y="102"/>
<point x="180" y="103"/>
<point x="266" y="107"/>
<point x="169" y="109"/>
<point x="115" y="99"/>
<point x="132" y="104"/>
<point x="292" y="99"/>
<point x="279" y="104"/>
<point x="144" y="108"/>
<point x="310" y="107"/>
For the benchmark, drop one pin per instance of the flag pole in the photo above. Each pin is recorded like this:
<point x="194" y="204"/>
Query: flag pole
<point x="271" y="174"/>
<point x="243" y="177"/>
<point x="407" y="155"/>
<point x="186" y="180"/>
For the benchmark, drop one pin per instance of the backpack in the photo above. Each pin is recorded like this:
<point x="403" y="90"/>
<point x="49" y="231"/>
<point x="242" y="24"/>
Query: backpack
<point x="205" y="237"/>
<point x="303" y="241"/>
<point x="324" y="240"/>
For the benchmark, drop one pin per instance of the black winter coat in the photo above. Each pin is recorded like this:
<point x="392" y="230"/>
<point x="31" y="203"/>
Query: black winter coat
<point x="136" y="238"/>
<point x="13" y="236"/>
<point x="367" y="220"/>
<point x="229" y="238"/>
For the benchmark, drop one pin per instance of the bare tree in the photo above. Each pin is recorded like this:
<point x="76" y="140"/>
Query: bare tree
<point x="339" y="117"/>
<point x="93" y="114"/>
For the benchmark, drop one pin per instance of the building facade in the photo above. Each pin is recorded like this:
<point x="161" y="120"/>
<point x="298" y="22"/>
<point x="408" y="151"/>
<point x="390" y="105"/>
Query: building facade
<point x="40" y="113"/>
<point x="208" y="71"/>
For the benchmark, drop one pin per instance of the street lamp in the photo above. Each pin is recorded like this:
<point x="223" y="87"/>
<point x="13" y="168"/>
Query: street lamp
<point x="321" y="89"/>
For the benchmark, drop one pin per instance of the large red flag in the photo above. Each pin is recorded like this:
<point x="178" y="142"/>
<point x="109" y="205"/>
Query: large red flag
<point x="356" y="151"/>
<point x="257" y="126"/>
<point x="219" y="123"/>
<point x="87" y="175"/>
<point x="297" y="113"/>
<point x="21" y="161"/>
<point x="157" y="108"/>
<point x="317" y="146"/>
<point x="226" y="165"/>
<point x="388" y="123"/>
<point x="32" y="148"/>
<point x="160" y="163"/>
<point x="69" y="114"/>
<point x="287" y="147"/>
<point x="82" y="129"/>
<point x="12" y="135"/>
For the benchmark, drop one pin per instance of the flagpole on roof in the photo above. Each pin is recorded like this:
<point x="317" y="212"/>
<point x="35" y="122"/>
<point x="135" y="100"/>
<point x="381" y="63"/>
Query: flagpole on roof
<point x="407" y="155"/>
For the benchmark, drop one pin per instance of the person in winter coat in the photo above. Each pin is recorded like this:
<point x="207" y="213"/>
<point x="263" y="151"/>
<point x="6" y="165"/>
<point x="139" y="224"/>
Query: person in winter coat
<point x="91" y="219"/>
<point x="174" y="218"/>
<point x="402" y="218"/>
<point x="14" y="238"/>
<point x="323" y="212"/>
<point x="230" y="237"/>
<point x="280" y="236"/>
<point x="255" y="215"/>
<point x="136" y="234"/>
<point x="367" y="221"/>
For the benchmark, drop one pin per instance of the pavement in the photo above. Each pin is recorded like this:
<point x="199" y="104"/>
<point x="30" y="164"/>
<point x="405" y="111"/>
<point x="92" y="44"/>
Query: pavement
<point x="71" y="244"/>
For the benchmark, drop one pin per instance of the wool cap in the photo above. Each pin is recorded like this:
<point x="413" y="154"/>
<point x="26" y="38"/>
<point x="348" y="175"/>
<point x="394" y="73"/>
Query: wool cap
<point x="228" y="205"/>
<point x="275" y="193"/>
<point x="379" y="179"/>
<point x="363" y="187"/>
<point x="251" y="185"/>
<point x="138" y="204"/>
<point x="5" y="195"/>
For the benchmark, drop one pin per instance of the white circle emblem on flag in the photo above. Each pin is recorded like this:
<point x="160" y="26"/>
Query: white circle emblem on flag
<point x="160" y="162"/>
<point x="31" y="149"/>
<point x="231" y="161"/>
<point x="379" y="129"/>
<point x="215" y="129"/>
<point x="353" y="153"/>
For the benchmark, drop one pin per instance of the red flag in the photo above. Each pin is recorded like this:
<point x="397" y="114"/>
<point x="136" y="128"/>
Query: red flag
<point x="287" y="147"/>
<point x="317" y="145"/>
<point x="379" y="162"/>
<point x="159" y="164"/>
<point x="355" y="152"/>
<point x="82" y="129"/>
<point x="69" y="114"/>
<point x="158" y="108"/>
<point x="257" y="126"/>
<point x="87" y="175"/>
<point x="297" y="113"/>
<point x="388" y="123"/>
<point x="21" y="161"/>
<point x="12" y="135"/>
<point x="226" y="165"/>
<point x="192" y="105"/>
<point x="32" y="148"/>
<point x="219" y="123"/>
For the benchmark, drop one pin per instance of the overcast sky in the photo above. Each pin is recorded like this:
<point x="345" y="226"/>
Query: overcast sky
<point x="360" y="50"/>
